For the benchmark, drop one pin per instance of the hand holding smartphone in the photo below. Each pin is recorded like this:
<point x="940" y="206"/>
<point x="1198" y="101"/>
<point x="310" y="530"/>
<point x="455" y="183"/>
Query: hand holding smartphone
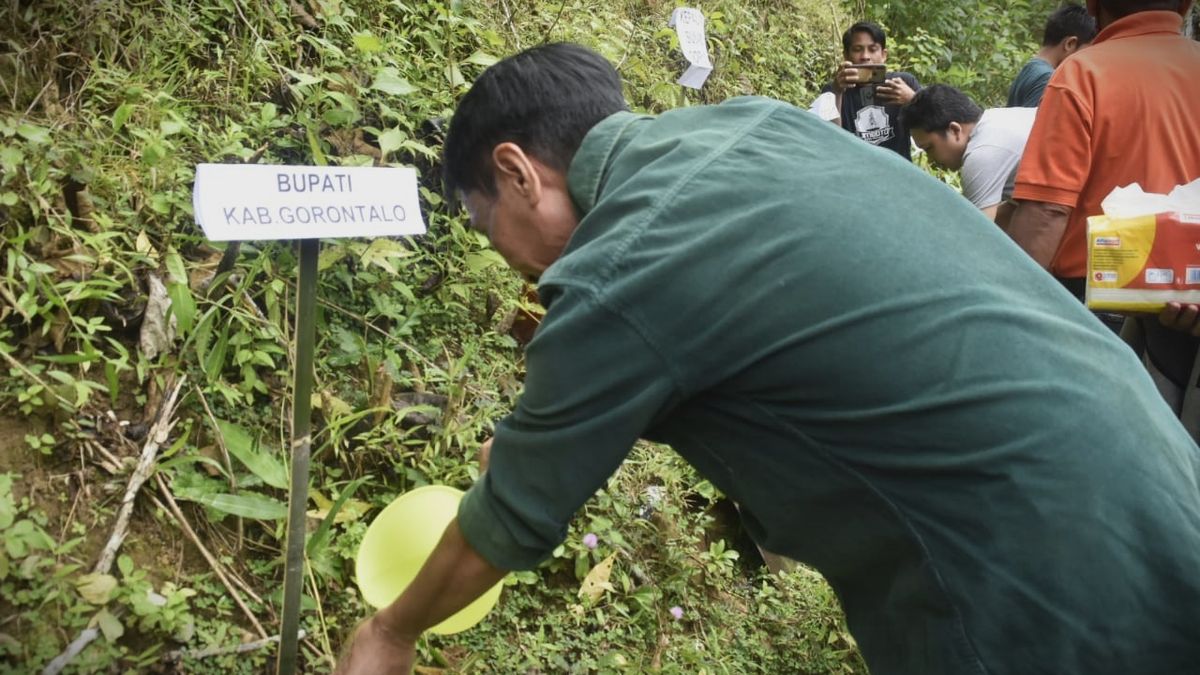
<point x="869" y="73"/>
<point x="852" y="75"/>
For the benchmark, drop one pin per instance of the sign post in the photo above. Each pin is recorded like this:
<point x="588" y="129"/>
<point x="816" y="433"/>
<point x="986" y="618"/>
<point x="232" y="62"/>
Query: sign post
<point x="293" y="577"/>
<point x="257" y="202"/>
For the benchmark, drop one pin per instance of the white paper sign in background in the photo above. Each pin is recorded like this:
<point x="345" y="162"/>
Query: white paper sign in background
<point x="689" y="25"/>
<point x="247" y="202"/>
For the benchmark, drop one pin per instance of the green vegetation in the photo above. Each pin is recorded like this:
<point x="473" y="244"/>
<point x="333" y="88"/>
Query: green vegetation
<point x="109" y="296"/>
<point x="975" y="45"/>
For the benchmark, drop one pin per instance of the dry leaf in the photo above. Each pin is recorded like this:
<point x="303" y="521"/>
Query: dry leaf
<point x="596" y="582"/>
<point x="201" y="274"/>
<point x="352" y="509"/>
<point x="73" y="262"/>
<point x="157" y="332"/>
<point x="143" y="245"/>
<point x="329" y="404"/>
<point x="96" y="588"/>
<point x="214" y="453"/>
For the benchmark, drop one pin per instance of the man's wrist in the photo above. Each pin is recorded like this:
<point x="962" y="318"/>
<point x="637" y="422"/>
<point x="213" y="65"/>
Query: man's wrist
<point x="393" y="627"/>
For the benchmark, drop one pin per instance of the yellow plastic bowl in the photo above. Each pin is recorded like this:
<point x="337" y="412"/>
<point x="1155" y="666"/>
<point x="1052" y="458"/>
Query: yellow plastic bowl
<point x="399" y="541"/>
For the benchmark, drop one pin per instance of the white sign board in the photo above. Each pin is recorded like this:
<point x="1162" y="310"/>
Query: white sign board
<point x="248" y="202"/>
<point x="689" y="25"/>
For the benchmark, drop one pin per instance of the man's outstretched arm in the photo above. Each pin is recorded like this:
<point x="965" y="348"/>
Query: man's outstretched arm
<point x="453" y="577"/>
<point x="1038" y="229"/>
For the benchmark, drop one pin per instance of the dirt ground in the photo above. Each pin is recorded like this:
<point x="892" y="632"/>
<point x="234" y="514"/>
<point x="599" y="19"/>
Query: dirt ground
<point x="70" y="488"/>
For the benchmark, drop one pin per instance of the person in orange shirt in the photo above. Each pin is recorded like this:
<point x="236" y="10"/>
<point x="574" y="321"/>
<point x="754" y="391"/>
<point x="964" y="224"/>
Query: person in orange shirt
<point x="1125" y="110"/>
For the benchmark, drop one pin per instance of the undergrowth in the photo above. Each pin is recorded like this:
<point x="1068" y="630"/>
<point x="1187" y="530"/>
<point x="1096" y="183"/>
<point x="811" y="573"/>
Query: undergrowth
<point x="110" y="296"/>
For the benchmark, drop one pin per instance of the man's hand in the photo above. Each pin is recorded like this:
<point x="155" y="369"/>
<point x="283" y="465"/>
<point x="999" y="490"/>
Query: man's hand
<point x="1181" y="318"/>
<point x="374" y="650"/>
<point x="894" y="90"/>
<point x="845" y="78"/>
<point x="453" y="576"/>
<point x="1038" y="228"/>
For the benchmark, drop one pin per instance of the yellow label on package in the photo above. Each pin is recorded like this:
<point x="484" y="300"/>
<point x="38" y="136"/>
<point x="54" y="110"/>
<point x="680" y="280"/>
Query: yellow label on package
<point x="1139" y="264"/>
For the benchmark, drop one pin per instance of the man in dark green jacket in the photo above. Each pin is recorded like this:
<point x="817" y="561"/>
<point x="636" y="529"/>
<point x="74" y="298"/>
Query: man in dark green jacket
<point x="1069" y="29"/>
<point x="892" y="391"/>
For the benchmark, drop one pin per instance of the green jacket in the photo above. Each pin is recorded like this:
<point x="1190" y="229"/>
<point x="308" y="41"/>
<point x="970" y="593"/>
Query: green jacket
<point x="893" y="392"/>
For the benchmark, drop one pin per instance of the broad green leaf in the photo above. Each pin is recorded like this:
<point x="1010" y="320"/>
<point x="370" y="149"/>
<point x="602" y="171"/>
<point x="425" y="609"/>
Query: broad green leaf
<point x="302" y="79"/>
<point x="420" y="148"/>
<point x="245" y="505"/>
<point x="388" y="81"/>
<point x="169" y="127"/>
<point x="330" y="255"/>
<point x="261" y="461"/>
<point x="482" y="59"/>
<point x="203" y="335"/>
<point x="153" y="153"/>
<point x="121" y="116"/>
<point x="484" y="259"/>
<point x="390" y="141"/>
<point x="96" y="588"/>
<point x="8" y="510"/>
<point x="381" y="252"/>
<point x="183" y="306"/>
<point x="214" y="362"/>
<point x="367" y="43"/>
<point x="11" y="157"/>
<point x="34" y="133"/>
<point x="314" y="145"/>
<point x="175" y="269"/>
<point x="320" y="537"/>
<point x="109" y="625"/>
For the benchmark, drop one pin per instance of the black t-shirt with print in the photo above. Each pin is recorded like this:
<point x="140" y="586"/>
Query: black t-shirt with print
<point x="877" y="123"/>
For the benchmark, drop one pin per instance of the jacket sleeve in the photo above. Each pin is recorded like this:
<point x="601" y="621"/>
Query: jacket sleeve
<point x="593" y="386"/>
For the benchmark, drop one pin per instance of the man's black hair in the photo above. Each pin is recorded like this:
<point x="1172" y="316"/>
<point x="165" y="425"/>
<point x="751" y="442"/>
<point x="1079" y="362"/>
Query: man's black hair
<point x="545" y="99"/>
<point x="936" y="106"/>
<point x="1070" y="20"/>
<point x="1123" y="8"/>
<point x="875" y="30"/>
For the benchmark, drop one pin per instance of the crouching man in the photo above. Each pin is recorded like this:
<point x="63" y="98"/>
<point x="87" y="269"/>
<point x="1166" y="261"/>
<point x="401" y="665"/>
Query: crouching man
<point x="986" y="476"/>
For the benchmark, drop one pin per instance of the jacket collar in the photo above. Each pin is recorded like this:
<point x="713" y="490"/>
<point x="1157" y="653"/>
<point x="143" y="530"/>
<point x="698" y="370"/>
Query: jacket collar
<point x="585" y="177"/>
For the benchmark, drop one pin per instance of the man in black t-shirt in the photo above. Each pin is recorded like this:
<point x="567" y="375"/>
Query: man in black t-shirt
<point x="871" y="111"/>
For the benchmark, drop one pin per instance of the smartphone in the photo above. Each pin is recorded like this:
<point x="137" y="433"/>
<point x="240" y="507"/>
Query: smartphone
<point x="870" y="73"/>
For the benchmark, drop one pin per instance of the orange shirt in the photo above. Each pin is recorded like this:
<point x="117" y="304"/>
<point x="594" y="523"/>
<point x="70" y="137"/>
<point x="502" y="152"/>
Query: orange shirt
<point x="1124" y="110"/>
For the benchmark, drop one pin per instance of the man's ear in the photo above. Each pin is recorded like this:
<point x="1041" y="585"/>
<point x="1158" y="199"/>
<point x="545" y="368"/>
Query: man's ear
<point x="515" y="170"/>
<point x="884" y="52"/>
<point x="955" y="128"/>
<point x="1070" y="45"/>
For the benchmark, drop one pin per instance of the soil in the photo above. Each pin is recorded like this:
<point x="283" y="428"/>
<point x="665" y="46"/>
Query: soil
<point x="76" y="496"/>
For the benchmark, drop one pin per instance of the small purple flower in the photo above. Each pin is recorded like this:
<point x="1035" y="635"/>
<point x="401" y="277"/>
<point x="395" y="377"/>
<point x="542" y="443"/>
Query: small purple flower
<point x="676" y="612"/>
<point x="590" y="540"/>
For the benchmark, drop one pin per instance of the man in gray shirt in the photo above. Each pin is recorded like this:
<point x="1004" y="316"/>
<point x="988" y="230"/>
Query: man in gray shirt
<point x="986" y="146"/>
